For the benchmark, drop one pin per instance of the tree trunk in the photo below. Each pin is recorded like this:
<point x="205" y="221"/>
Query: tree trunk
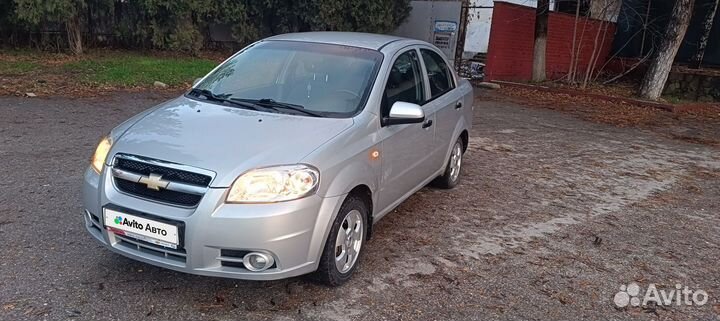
<point x="74" y="35"/>
<point x="573" y="58"/>
<point x="705" y="36"/>
<point x="541" y="29"/>
<point x="657" y="74"/>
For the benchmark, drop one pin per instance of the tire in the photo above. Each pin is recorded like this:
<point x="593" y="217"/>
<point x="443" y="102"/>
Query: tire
<point x="329" y="272"/>
<point x="453" y="169"/>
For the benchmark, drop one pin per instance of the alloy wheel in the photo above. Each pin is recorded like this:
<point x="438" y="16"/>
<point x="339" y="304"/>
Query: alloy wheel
<point x="348" y="241"/>
<point x="455" y="161"/>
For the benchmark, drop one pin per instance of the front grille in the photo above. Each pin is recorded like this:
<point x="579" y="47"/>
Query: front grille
<point x="170" y="174"/>
<point x="233" y="253"/>
<point x="141" y="167"/>
<point x="163" y="195"/>
<point x="178" y="256"/>
<point x="232" y="258"/>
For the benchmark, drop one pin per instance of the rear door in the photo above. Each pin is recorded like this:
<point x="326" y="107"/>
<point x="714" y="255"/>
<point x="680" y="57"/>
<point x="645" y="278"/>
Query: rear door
<point x="406" y="149"/>
<point x="443" y="100"/>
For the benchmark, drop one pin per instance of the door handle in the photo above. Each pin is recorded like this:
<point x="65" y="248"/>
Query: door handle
<point x="458" y="105"/>
<point x="427" y="124"/>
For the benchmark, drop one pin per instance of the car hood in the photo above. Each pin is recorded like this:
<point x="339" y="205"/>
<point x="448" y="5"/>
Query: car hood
<point x="223" y="139"/>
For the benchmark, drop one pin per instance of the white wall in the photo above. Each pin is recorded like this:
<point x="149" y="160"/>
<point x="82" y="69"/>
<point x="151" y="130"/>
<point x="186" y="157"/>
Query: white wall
<point x="422" y="20"/>
<point x="478" y="28"/>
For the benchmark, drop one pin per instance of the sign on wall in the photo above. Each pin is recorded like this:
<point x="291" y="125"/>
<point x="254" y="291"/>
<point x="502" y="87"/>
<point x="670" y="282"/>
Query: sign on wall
<point x="445" y="26"/>
<point x="444" y="30"/>
<point x="442" y="40"/>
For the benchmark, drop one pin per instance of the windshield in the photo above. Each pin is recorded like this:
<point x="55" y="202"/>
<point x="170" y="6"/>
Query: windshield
<point x="329" y="80"/>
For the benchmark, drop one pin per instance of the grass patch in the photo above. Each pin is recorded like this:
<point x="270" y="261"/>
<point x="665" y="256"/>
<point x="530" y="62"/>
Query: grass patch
<point x="138" y="70"/>
<point x="17" y="67"/>
<point x="48" y="74"/>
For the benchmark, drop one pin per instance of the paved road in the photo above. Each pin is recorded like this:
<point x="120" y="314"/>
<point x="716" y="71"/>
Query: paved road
<point x="552" y="217"/>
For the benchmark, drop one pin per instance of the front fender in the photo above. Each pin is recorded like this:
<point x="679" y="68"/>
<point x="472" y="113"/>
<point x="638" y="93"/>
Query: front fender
<point x="344" y="164"/>
<point x="345" y="161"/>
<point x="352" y="175"/>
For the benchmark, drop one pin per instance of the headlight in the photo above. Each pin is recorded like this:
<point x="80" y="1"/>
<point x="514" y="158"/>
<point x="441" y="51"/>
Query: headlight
<point x="274" y="184"/>
<point x="98" y="160"/>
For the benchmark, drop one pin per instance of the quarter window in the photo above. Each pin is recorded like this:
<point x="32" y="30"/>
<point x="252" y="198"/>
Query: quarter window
<point x="404" y="82"/>
<point x="439" y="75"/>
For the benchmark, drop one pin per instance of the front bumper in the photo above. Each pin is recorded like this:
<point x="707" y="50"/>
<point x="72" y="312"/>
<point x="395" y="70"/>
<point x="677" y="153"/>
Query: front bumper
<point x="292" y="232"/>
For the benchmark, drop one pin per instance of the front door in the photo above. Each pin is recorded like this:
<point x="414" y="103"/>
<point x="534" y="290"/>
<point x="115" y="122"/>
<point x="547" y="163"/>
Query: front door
<point x="406" y="149"/>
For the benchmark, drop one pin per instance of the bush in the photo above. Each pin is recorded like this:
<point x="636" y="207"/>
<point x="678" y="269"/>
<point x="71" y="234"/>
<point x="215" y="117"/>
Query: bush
<point x="184" y="25"/>
<point x="35" y="13"/>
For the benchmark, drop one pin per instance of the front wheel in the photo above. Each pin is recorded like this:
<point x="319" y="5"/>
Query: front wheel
<point x="451" y="176"/>
<point x="343" y="246"/>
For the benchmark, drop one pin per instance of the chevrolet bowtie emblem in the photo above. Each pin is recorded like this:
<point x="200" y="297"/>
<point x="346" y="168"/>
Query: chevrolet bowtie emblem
<point x="154" y="182"/>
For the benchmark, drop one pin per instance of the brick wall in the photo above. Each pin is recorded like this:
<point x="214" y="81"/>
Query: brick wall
<point x="510" y="49"/>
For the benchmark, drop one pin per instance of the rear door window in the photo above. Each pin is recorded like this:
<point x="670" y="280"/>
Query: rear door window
<point x="439" y="74"/>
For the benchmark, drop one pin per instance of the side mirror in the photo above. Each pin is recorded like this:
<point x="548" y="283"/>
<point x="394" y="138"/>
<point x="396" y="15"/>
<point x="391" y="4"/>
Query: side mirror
<point x="404" y="113"/>
<point x="197" y="80"/>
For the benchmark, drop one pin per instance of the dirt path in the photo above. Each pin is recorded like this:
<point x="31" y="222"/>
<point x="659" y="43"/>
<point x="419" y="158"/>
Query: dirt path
<point x="553" y="215"/>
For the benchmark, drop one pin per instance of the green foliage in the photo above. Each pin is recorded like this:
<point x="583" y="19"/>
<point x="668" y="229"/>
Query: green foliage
<point x="178" y="25"/>
<point x="184" y="25"/>
<point x="365" y="16"/>
<point x="54" y="11"/>
<point x="282" y="16"/>
<point x="57" y="12"/>
<point x="174" y="24"/>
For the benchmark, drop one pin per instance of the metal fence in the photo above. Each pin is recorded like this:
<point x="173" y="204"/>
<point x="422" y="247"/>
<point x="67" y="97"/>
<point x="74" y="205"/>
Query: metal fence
<point x="634" y="40"/>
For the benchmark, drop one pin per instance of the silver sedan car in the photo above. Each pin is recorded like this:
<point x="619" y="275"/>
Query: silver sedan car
<point x="279" y="161"/>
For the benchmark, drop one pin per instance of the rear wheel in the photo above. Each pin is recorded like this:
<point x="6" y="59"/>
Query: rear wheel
<point x="343" y="246"/>
<point x="451" y="176"/>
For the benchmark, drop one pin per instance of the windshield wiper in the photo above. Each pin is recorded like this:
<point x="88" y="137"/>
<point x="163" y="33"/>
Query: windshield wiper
<point x="209" y="95"/>
<point x="271" y="103"/>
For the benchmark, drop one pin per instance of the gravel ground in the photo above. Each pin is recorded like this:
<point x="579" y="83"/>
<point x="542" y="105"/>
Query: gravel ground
<point x="553" y="215"/>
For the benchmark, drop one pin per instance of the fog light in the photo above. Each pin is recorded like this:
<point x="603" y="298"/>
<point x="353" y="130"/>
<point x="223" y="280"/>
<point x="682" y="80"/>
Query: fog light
<point x="256" y="261"/>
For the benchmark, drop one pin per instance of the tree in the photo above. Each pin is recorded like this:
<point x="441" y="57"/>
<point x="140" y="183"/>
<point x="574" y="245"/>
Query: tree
<point x="65" y="12"/>
<point x="185" y="24"/>
<point x="542" y="13"/>
<point x="281" y="16"/>
<point x="8" y="23"/>
<point x="653" y="83"/>
<point x="697" y="59"/>
<point x="175" y="24"/>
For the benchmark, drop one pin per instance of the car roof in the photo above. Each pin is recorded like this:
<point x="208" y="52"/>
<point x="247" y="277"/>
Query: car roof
<point x="354" y="39"/>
